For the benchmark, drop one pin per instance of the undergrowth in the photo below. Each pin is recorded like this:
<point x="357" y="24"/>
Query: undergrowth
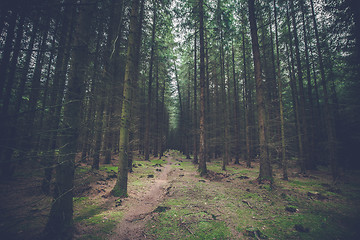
<point x="235" y="206"/>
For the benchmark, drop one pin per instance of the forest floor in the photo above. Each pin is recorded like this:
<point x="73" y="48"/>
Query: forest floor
<point x="169" y="200"/>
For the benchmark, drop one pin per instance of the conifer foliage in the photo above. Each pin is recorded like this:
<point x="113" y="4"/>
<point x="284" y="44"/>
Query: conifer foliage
<point x="88" y="82"/>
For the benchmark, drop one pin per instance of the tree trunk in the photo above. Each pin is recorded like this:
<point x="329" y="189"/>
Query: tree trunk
<point x="13" y="64"/>
<point x="248" y="109"/>
<point x="330" y="130"/>
<point x="5" y="60"/>
<point x="120" y="189"/>
<point x="294" y="91"/>
<point x="202" y="153"/>
<point x="281" y="108"/>
<point x="148" y="109"/>
<point x="195" y="125"/>
<point x="236" y="110"/>
<point x="157" y="110"/>
<point x="60" y="223"/>
<point x="265" y="166"/>
<point x="56" y="95"/>
<point x="311" y="153"/>
<point x="303" y="124"/>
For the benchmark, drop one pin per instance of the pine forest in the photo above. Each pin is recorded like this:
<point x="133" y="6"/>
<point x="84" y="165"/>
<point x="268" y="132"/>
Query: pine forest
<point x="179" y="119"/>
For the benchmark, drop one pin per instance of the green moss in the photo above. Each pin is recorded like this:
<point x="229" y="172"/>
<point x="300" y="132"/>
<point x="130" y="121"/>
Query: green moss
<point x="242" y="171"/>
<point x="245" y="218"/>
<point x="157" y="161"/>
<point x="254" y="196"/>
<point x="109" y="168"/>
<point x="137" y="182"/>
<point x="214" y="166"/>
<point x="282" y="227"/>
<point x="82" y="170"/>
<point x="79" y="199"/>
<point x="176" y="202"/>
<point x="87" y="212"/>
<point x="305" y="184"/>
<point x="211" y="230"/>
<point x="103" y="224"/>
<point x="119" y="193"/>
<point x="186" y="165"/>
<point x="181" y="224"/>
<point x="267" y="187"/>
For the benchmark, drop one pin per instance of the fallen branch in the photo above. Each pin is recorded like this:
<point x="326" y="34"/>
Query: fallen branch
<point x="246" y="202"/>
<point x="187" y="229"/>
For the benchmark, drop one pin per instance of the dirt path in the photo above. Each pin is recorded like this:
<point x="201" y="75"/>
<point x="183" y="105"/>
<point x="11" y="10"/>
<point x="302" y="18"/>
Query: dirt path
<point x="133" y="224"/>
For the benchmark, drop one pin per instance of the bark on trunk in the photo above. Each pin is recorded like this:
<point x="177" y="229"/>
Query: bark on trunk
<point x="265" y="166"/>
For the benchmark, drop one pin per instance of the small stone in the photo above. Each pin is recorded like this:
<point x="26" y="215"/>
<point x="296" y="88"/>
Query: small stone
<point x="161" y="209"/>
<point x="316" y="195"/>
<point x="253" y="232"/>
<point x="291" y="209"/>
<point x="243" y="177"/>
<point x="301" y="228"/>
<point x="112" y="176"/>
<point x="150" y="176"/>
<point x="118" y="202"/>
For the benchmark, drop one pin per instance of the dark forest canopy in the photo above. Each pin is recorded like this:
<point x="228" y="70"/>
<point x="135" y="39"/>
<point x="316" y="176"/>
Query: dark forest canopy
<point x="274" y="81"/>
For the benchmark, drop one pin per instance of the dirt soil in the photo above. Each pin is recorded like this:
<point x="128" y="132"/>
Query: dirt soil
<point x="167" y="199"/>
<point x="142" y="206"/>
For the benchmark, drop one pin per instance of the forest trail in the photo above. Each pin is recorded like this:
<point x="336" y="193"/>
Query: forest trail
<point x="133" y="224"/>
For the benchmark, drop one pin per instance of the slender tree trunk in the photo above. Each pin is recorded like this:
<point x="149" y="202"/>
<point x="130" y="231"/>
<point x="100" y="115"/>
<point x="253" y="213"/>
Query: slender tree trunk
<point x="248" y="109"/>
<point x="120" y="189"/>
<point x="56" y="95"/>
<point x="13" y="64"/>
<point x="328" y="112"/>
<point x="89" y="125"/>
<point x="311" y="155"/>
<point x="302" y="106"/>
<point x="182" y="118"/>
<point x="275" y="113"/>
<point x="35" y="112"/>
<point x="137" y="55"/>
<point x="5" y="60"/>
<point x="148" y="110"/>
<point x="162" y="121"/>
<point x="25" y="70"/>
<point x="157" y="111"/>
<point x="265" y="166"/>
<point x="208" y="119"/>
<point x="294" y="91"/>
<point x="225" y="109"/>
<point x="60" y="222"/>
<point x="8" y="139"/>
<point x="281" y="108"/>
<point x="195" y="125"/>
<point x="188" y="119"/>
<point x="236" y="110"/>
<point x="202" y="154"/>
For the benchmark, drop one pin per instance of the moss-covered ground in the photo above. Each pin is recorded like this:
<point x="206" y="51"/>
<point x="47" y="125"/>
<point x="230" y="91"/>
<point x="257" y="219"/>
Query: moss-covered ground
<point x="227" y="204"/>
<point x="232" y="205"/>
